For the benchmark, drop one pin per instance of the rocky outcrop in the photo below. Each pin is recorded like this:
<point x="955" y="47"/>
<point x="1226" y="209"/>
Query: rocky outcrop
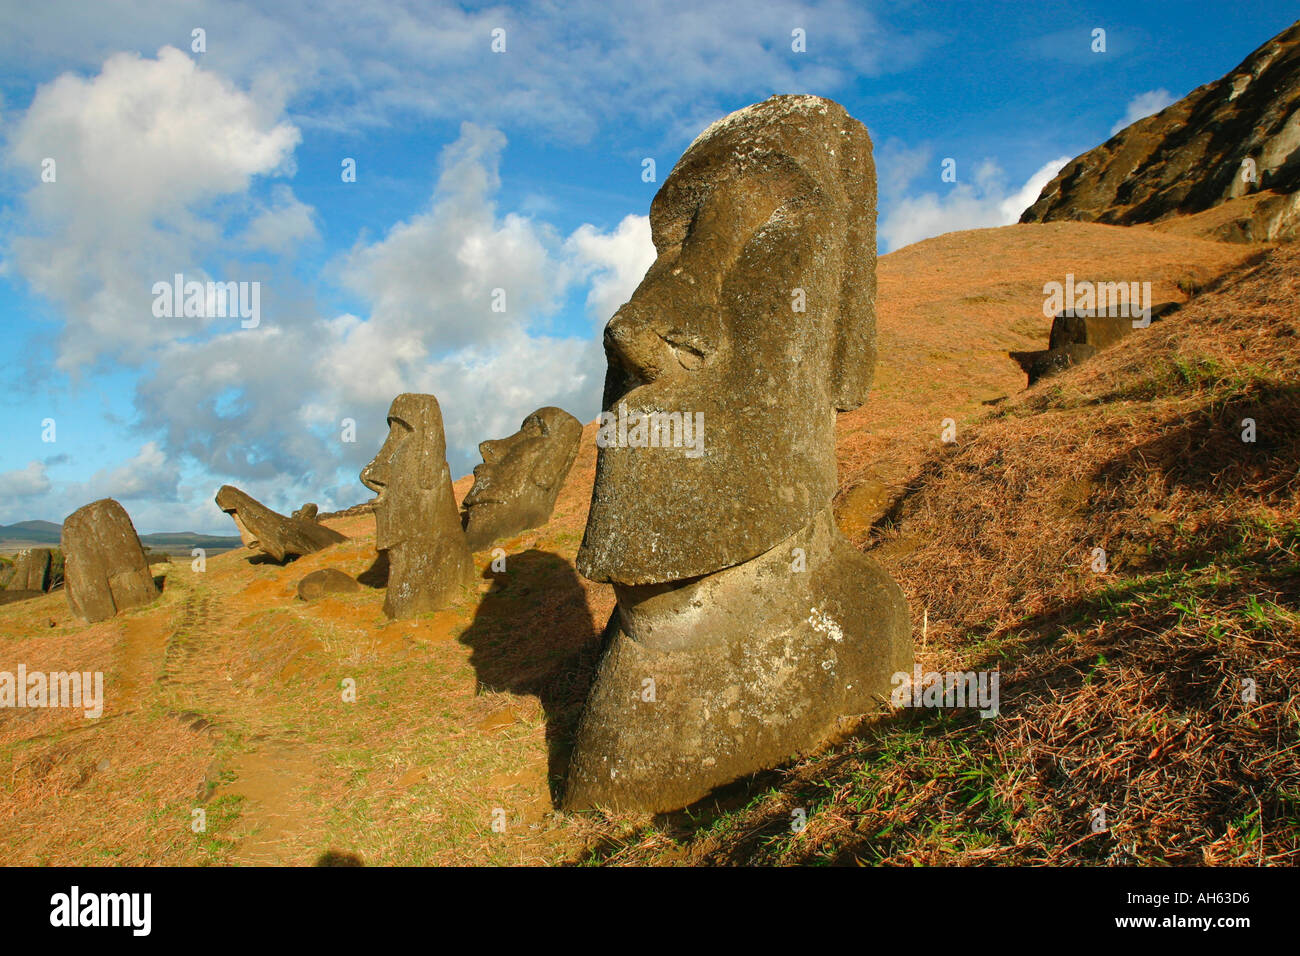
<point x="1226" y="141"/>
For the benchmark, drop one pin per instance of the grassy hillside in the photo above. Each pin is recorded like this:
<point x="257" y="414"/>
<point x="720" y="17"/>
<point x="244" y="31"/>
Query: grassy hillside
<point x="1119" y="689"/>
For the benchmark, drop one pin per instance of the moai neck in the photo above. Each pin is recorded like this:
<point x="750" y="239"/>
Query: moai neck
<point x="774" y="589"/>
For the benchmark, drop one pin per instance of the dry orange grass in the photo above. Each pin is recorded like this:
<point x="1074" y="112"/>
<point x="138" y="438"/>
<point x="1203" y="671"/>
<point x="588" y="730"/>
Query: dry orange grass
<point x="226" y="694"/>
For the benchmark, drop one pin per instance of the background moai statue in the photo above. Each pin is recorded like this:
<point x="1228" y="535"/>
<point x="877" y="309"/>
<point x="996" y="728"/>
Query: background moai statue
<point x="516" y="486"/>
<point x="747" y="626"/>
<point x="104" y="567"/>
<point x="32" y="570"/>
<point x="270" y="532"/>
<point x="416" y="520"/>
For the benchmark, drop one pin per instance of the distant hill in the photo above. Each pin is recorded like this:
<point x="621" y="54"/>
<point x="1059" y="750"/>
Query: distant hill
<point x="30" y="532"/>
<point x="26" y="534"/>
<point x="1232" y="143"/>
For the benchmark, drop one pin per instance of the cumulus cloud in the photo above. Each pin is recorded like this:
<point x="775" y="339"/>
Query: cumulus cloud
<point x="1143" y="105"/>
<point x="148" y="474"/>
<point x="565" y="68"/>
<point x="27" y="482"/>
<point x="283" y="224"/>
<point x="983" y="200"/>
<point x="614" y="263"/>
<point x="265" y="407"/>
<point x="141" y="154"/>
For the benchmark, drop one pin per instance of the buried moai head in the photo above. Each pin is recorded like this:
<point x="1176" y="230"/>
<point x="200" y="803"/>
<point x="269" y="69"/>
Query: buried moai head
<point x="756" y="321"/>
<point x="516" y="486"/>
<point x="270" y="532"/>
<point x="105" y="569"/>
<point x="416" y="520"/>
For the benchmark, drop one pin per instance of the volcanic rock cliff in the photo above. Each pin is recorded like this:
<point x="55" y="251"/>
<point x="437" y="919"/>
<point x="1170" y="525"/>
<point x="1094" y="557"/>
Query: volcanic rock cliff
<point x="1233" y="143"/>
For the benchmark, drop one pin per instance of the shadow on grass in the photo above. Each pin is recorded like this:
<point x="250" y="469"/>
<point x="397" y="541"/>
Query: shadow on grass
<point x="532" y="635"/>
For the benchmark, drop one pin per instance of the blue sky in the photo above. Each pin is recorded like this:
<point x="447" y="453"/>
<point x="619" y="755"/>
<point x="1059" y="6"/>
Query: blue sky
<point x="475" y="171"/>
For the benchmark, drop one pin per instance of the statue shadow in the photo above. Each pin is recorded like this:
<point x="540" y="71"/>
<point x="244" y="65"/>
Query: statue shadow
<point x="532" y="635"/>
<point x="375" y="576"/>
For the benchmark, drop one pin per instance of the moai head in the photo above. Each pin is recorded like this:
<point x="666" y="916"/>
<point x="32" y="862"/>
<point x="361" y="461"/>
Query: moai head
<point x="516" y="486"/>
<point x="759" y="316"/>
<point x="270" y="532"/>
<point x="105" y="568"/>
<point x="416" y="520"/>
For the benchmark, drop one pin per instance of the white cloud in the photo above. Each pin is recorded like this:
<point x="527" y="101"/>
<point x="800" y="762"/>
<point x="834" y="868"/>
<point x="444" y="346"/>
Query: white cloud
<point x="283" y="224"/>
<point x="25" y="482"/>
<point x="566" y="68"/>
<point x="434" y="279"/>
<point x="142" y="151"/>
<point x="614" y="262"/>
<point x="982" y="201"/>
<point x="1014" y="205"/>
<point x="149" y="474"/>
<point x="263" y="407"/>
<point x="1143" y="105"/>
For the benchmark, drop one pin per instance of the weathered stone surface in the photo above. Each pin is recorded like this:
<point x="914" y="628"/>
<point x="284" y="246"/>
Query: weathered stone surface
<point x="516" y="486"/>
<point x="308" y="512"/>
<point x="104" y="567"/>
<point x="1191" y="156"/>
<point x="756" y="624"/>
<point x="1044" y="362"/>
<point x="31" y="570"/>
<point x="326" y="581"/>
<point x="416" y="520"/>
<point x="271" y="532"/>
<point x="1099" y="331"/>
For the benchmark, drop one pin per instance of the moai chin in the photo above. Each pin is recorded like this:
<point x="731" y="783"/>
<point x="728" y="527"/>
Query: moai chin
<point x="416" y="520"/>
<point x="516" y="486"/>
<point x="755" y="622"/>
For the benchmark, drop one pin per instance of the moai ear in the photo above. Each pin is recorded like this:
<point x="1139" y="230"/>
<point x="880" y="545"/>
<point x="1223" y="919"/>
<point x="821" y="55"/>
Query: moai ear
<point x="853" y="356"/>
<point x="429" y="467"/>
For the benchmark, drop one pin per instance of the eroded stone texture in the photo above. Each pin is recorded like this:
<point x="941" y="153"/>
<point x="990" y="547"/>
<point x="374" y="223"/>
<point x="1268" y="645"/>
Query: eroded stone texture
<point x="516" y="486"/>
<point x="308" y="512"/>
<point x="1041" y="363"/>
<point x="416" y="520"/>
<point x="326" y="581"/>
<point x="270" y="532"/>
<point x="104" y="567"/>
<point x="32" y="568"/>
<point x="746" y="625"/>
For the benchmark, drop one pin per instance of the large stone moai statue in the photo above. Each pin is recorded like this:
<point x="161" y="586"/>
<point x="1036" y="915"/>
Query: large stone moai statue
<point x="104" y="567"/>
<point x="270" y="532"/>
<point x="416" y="520"/>
<point x="746" y="624"/>
<point x="32" y="570"/>
<point x="516" y="486"/>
